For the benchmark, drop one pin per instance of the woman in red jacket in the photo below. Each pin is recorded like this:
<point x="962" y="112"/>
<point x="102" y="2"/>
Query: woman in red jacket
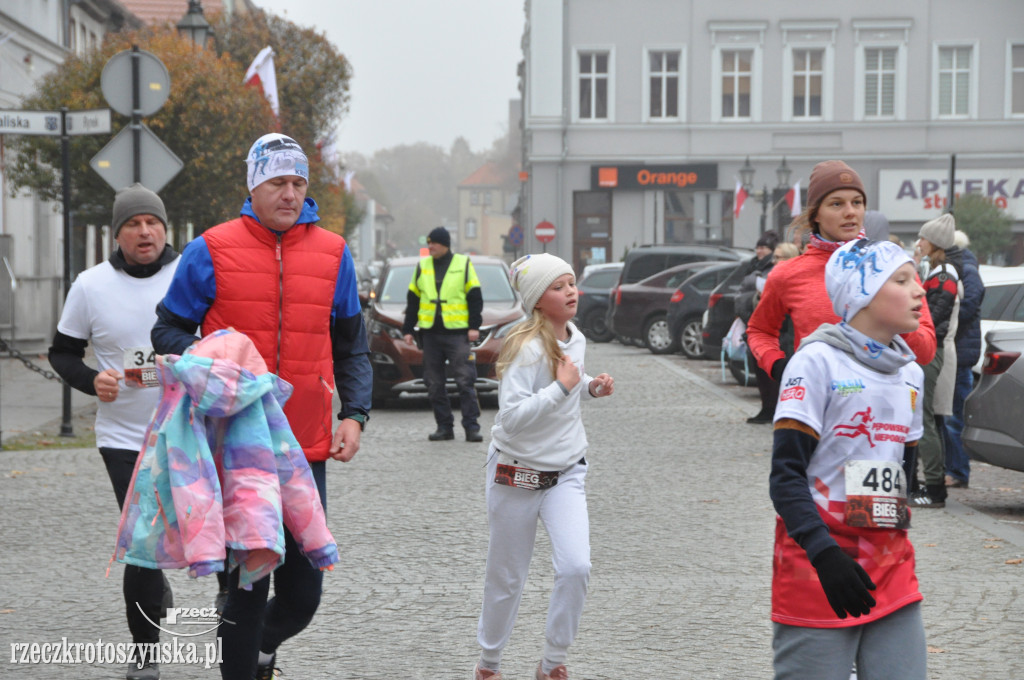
<point x="836" y="201"/>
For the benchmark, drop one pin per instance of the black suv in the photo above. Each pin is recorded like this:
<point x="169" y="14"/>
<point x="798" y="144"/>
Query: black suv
<point x="644" y="261"/>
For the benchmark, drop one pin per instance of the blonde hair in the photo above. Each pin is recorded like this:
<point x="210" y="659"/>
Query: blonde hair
<point x="785" y="251"/>
<point x="536" y="326"/>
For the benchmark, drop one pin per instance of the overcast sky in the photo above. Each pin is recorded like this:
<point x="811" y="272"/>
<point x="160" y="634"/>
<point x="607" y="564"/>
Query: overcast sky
<point x="423" y="71"/>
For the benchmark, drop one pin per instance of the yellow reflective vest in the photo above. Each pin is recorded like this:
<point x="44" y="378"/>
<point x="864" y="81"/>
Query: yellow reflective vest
<point x="458" y="280"/>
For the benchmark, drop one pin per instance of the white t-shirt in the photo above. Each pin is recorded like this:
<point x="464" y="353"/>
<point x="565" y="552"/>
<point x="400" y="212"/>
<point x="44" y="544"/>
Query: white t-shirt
<point x="860" y="414"/>
<point x="538" y="424"/>
<point x="116" y="312"/>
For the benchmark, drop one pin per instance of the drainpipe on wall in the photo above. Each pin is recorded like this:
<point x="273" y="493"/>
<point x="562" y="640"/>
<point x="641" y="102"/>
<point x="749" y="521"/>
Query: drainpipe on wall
<point x="566" y="99"/>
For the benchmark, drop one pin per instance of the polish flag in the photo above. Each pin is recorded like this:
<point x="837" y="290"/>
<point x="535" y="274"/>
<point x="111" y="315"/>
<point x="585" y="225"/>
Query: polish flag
<point x="261" y="72"/>
<point x="737" y="200"/>
<point x="793" y="200"/>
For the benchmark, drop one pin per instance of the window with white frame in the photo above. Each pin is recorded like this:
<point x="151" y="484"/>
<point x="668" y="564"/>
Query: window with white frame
<point x="593" y="85"/>
<point x="1016" y="94"/>
<point x="736" y="75"/>
<point x="954" y="80"/>
<point x="880" y="82"/>
<point x="880" y="68"/>
<point x="737" y="71"/>
<point x="808" y="71"/>
<point x="470" y="228"/>
<point x="663" y="84"/>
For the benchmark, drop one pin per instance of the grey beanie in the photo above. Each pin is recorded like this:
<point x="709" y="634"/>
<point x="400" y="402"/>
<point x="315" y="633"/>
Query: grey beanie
<point x="531" y="275"/>
<point x="136" y="200"/>
<point x="939" y="232"/>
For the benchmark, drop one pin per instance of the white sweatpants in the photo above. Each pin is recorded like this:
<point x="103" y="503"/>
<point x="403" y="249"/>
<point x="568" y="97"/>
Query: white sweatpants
<point x="512" y="515"/>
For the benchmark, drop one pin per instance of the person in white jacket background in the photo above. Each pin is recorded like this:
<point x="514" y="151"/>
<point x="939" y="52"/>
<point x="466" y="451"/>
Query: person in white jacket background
<point x="536" y="466"/>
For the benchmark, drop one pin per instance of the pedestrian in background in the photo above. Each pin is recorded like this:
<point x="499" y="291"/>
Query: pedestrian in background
<point x="943" y="291"/>
<point x="291" y="287"/>
<point x="836" y="202"/>
<point x="968" y="351"/>
<point x="750" y="292"/>
<point x="536" y="466"/>
<point x="113" y="305"/>
<point x="845" y="434"/>
<point x="445" y="301"/>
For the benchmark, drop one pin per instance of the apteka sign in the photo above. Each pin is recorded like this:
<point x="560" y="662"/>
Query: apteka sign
<point x="920" y="195"/>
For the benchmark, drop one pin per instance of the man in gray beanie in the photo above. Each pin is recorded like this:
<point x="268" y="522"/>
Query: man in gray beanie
<point x="445" y="302"/>
<point x="114" y="305"/>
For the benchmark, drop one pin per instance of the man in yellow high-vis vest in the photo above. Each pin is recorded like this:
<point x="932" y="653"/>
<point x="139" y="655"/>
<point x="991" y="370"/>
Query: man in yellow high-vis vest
<point x="444" y="300"/>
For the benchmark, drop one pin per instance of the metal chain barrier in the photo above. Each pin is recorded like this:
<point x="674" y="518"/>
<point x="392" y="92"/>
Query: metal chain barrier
<point x="49" y="375"/>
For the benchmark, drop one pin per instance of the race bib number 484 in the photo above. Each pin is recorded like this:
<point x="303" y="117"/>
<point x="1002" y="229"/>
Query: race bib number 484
<point x="876" y="495"/>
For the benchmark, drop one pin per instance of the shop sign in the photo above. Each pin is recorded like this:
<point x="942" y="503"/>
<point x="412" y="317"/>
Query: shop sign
<point x="701" y="176"/>
<point x="920" y="195"/>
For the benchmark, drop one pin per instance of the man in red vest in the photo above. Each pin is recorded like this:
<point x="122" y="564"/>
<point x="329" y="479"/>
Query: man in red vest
<point x="291" y="287"/>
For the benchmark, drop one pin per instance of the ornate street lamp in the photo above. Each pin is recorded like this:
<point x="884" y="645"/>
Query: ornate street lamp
<point x="194" y="25"/>
<point x="782" y="174"/>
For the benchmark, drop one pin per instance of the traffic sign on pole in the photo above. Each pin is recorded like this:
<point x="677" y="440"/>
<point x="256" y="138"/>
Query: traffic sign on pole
<point x="544" y="231"/>
<point x="114" y="163"/>
<point x="515" y="235"/>
<point x="16" y="122"/>
<point x="95" y="122"/>
<point x="154" y="82"/>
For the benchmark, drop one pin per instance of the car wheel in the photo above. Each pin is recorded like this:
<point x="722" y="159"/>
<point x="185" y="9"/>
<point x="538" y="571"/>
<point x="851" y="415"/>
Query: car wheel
<point x="657" y="336"/>
<point x="691" y="338"/>
<point x="597" y="327"/>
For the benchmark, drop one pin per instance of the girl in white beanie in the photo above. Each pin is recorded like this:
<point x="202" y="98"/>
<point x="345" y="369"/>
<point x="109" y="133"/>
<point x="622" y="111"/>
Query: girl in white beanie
<point x="536" y="466"/>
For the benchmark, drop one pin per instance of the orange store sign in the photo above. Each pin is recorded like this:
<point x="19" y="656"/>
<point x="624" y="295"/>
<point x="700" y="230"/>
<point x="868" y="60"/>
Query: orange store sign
<point x="640" y="177"/>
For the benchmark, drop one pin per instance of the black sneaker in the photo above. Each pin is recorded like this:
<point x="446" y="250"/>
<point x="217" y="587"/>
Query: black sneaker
<point x="474" y="435"/>
<point x="267" y="672"/>
<point x="441" y="434"/>
<point x="923" y="499"/>
<point x="148" y="670"/>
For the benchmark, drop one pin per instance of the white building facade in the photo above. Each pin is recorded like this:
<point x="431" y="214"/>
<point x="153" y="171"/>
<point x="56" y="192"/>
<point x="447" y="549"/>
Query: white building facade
<point x="638" y="115"/>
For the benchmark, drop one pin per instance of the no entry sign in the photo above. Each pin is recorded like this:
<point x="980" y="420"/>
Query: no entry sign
<point x="544" y="231"/>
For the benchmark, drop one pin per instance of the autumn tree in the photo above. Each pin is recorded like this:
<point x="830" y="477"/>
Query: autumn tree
<point x="985" y="223"/>
<point x="313" y="94"/>
<point x="208" y="121"/>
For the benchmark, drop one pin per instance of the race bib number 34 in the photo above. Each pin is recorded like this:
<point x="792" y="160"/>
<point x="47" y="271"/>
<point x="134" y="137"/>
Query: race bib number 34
<point x="876" y="495"/>
<point x="140" y="367"/>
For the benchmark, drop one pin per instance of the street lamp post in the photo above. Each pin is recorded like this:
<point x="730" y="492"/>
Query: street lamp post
<point x="194" y="25"/>
<point x="747" y="180"/>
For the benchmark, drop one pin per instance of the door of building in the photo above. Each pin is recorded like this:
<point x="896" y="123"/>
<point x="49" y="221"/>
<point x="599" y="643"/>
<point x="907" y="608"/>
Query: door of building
<point x="592" y="228"/>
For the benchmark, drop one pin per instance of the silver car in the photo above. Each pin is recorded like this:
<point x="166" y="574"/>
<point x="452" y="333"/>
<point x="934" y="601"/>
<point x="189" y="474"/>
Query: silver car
<point x="993" y="427"/>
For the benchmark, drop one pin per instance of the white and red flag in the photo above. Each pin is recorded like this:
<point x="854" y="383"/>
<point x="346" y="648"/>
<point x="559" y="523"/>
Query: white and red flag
<point x="261" y="72"/>
<point x="793" y="199"/>
<point x="737" y="200"/>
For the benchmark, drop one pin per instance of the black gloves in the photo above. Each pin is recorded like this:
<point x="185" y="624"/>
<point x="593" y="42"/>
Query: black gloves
<point x="777" y="368"/>
<point x="845" y="582"/>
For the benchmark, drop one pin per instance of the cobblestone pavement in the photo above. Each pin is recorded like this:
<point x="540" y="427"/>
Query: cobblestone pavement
<point x="681" y="529"/>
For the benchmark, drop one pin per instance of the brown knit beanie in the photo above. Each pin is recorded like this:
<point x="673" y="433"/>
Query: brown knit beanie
<point x="829" y="176"/>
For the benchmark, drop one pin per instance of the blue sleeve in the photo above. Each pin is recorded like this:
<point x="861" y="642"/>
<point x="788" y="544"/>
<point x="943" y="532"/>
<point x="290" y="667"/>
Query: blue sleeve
<point x="974" y="292"/>
<point x="353" y="375"/>
<point x="346" y="289"/>
<point x="193" y="287"/>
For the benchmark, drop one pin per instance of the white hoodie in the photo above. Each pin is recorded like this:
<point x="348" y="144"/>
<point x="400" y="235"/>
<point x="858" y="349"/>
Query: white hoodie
<point x="537" y="423"/>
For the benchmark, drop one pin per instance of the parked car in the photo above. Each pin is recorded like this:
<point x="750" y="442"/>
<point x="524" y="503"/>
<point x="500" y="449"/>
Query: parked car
<point x="647" y="260"/>
<point x="398" y="366"/>
<point x="594" y="297"/>
<point x="721" y="311"/>
<point x="640" y="310"/>
<point x="993" y="427"/>
<point x="1003" y="304"/>
<point x="687" y="305"/>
